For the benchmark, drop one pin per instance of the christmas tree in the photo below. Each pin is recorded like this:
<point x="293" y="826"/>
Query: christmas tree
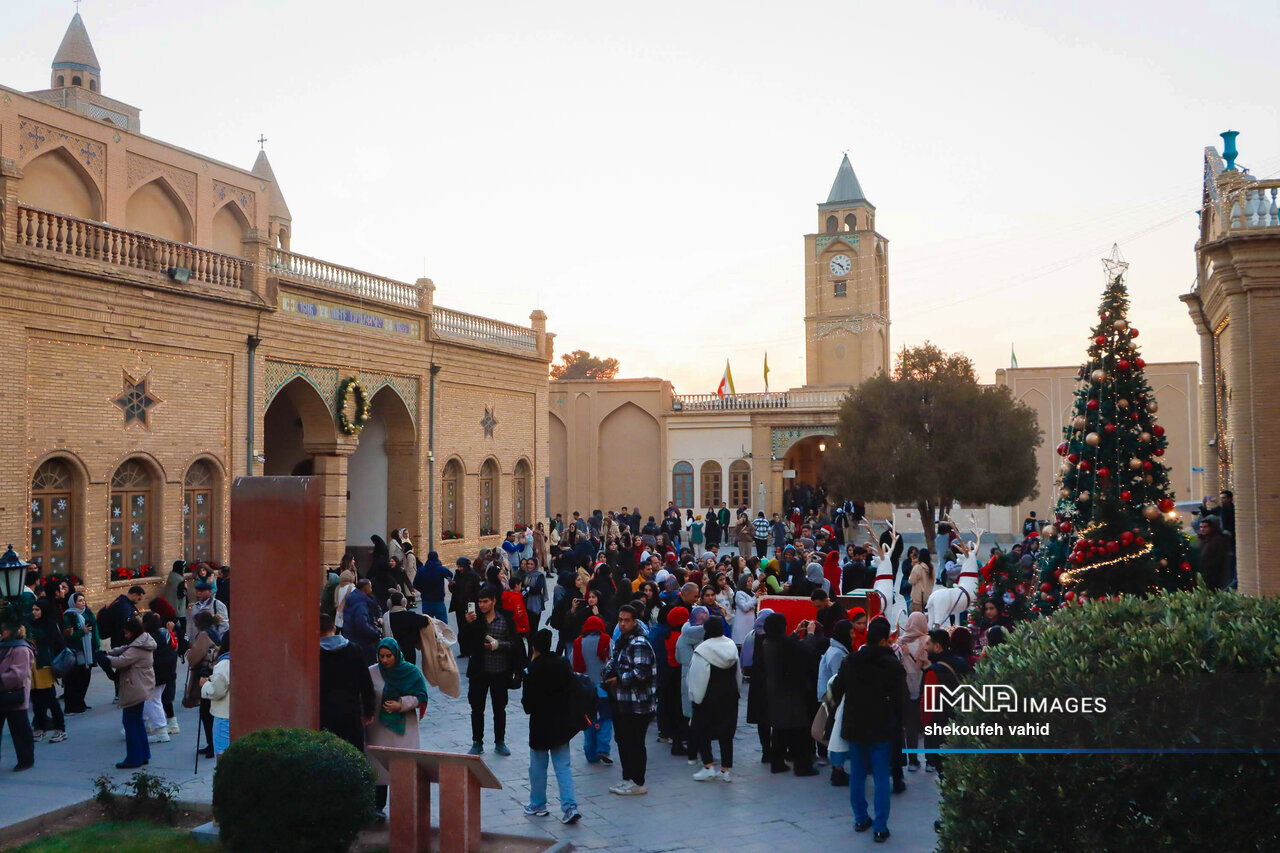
<point x="1114" y="529"/>
<point x="1004" y="581"/>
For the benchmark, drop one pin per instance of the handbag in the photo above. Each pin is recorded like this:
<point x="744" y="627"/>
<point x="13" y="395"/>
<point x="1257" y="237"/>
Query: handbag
<point x="63" y="663"/>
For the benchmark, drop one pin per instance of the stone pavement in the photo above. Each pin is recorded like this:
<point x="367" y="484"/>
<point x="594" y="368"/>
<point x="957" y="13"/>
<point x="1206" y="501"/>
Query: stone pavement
<point x="757" y="811"/>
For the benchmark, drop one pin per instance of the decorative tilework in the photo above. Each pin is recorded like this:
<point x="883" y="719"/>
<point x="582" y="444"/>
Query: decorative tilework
<point x="782" y="438"/>
<point x="851" y="326"/>
<point x="325" y="380"/>
<point x="35" y="138"/>
<point x="142" y="169"/>
<point x="223" y="191"/>
<point x="854" y="240"/>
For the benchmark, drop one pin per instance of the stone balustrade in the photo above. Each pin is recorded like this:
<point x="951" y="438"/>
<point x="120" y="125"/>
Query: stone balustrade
<point x="94" y="241"/>
<point x="457" y="325"/>
<point x="750" y="402"/>
<point x="1254" y="206"/>
<point x="334" y="277"/>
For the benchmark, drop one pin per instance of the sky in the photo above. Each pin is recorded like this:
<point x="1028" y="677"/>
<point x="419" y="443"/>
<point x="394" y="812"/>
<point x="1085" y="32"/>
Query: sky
<point x="645" y="173"/>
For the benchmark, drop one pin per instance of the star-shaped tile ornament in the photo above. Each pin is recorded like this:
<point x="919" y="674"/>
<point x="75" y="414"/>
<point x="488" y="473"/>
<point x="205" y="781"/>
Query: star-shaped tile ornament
<point x="488" y="422"/>
<point x="136" y="400"/>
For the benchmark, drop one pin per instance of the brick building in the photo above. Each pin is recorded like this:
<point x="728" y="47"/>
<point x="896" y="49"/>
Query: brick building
<point x="153" y="359"/>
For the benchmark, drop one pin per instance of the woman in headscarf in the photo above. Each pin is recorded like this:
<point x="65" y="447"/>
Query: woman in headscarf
<point x="962" y="645"/>
<point x="840" y="647"/>
<point x="590" y="654"/>
<point x="395" y="548"/>
<point x="780" y="664"/>
<point x="401" y="700"/>
<point x="670" y="706"/>
<point x="744" y="607"/>
<point x="913" y="649"/>
<point x="921" y="580"/>
<point x="831" y="572"/>
<point x="46" y="636"/>
<point x="346" y="583"/>
<point x="993" y="616"/>
<point x="216" y="689"/>
<point x="858" y="618"/>
<point x="770" y="579"/>
<point x="650" y="601"/>
<point x="380" y="558"/>
<point x="691" y="635"/>
<point x="757" y="706"/>
<point x="540" y="546"/>
<point x="157" y="711"/>
<point x="17" y="662"/>
<point x="715" y="683"/>
<point x="713" y="529"/>
<point x="81" y="630"/>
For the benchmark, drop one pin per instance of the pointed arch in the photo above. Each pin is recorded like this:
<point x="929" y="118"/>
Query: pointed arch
<point x="521" y="492"/>
<point x="488" y="494"/>
<point x="295" y="418"/>
<point x="56" y="181"/>
<point x="630" y="440"/>
<point x="56" y="510"/>
<point x="558" y="447"/>
<point x="452" y="477"/>
<point x="157" y="209"/>
<point x="230" y="227"/>
<point x="135" y="519"/>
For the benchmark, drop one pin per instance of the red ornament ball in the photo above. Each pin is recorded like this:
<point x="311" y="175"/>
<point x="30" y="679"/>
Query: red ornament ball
<point x="1157" y="430"/>
<point x="1085" y="466"/>
<point x="1073" y="458"/>
<point x="1133" y="333"/>
<point x="1062" y="449"/>
<point x="1166" y="504"/>
<point x="1186" y="567"/>
<point x="1140" y="363"/>
<point x="1159" y="451"/>
<point x="1146" y="466"/>
<point x="1065" y="526"/>
<point x="1109" y="429"/>
<point x="1138" y="540"/>
<point x="1100" y="340"/>
<point x="1104" y="472"/>
<point x="1122" y="364"/>
<point x="1133" y="416"/>
<point x="1126" y="539"/>
<point x="1126" y="495"/>
<point x="1057" y="573"/>
<point x="1113" y="547"/>
<point x="1046" y="586"/>
<point x="1070" y="596"/>
<point x="1092" y="405"/>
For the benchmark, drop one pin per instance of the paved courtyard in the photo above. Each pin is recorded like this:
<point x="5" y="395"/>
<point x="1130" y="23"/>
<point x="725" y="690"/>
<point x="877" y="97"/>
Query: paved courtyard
<point x="757" y="811"/>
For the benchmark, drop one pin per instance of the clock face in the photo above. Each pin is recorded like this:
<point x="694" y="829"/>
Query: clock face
<point x="840" y="265"/>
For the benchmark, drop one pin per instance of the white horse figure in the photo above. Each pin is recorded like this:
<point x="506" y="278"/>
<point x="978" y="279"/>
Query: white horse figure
<point x="948" y="602"/>
<point x="888" y="582"/>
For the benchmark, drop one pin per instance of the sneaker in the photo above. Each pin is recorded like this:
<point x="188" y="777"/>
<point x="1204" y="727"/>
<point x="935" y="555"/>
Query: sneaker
<point x="571" y="816"/>
<point x="881" y="837"/>
<point x="38" y="734"/>
<point x="705" y="774"/>
<point x="174" y="728"/>
<point x="604" y="759"/>
<point x="18" y="768"/>
<point x="501" y="749"/>
<point x="622" y="787"/>
<point x="635" y="791"/>
<point x="58" y="737"/>
<point x="692" y="761"/>
<point x="726" y="776"/>
<point x="861" y="825"/>
<point x="161" y="736"/>
<point x="536" y="811"/>
<point x="477" y="748"/>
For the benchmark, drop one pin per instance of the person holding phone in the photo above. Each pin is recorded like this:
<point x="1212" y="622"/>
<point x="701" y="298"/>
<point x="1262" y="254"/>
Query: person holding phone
<point x="489" y="639"/>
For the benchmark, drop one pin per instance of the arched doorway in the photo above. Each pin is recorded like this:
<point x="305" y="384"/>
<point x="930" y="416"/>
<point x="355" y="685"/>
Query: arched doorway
<point x="295" y="416"/>
<point x="382" y="473"/>
<point x="807" y="458"/>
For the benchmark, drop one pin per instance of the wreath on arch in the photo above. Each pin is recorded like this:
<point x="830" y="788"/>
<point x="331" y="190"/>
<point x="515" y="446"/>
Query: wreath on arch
<point x="349" y="425"/>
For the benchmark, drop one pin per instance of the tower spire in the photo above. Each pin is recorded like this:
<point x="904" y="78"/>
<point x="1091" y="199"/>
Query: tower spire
<point x="846" y="187"/>
<point x="76" y="63"/>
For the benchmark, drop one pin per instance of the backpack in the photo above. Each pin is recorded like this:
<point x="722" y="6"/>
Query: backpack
<point x="106" y="621"/>
<point x="583" y="700"/>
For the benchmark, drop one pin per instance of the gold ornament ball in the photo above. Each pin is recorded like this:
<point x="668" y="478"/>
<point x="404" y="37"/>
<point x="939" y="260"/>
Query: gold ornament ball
<point x="1122" y="403"/>
<point x="1066" y="467"/>
<point x="1144" y="437"/>
<point x="1153" y="407"/>
<point x="1092" y="439"/>
<point x="1151" y="512"/>
<point x="1135" y="464"/>
<point x="1083" y="497"/>
<point x="1164" y="564"/>
<point x="1049" y="530"/>
<point x="1099" y="375"/>
<point x="1064" y="494"/>
<point x="1147" y="478"/>
<point x="1079" y="422"/>
<point x="1119" y="325"/>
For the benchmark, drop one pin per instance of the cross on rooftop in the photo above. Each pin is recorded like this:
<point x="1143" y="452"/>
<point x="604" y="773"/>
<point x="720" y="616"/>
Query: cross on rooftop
<point x="262" y="140"/>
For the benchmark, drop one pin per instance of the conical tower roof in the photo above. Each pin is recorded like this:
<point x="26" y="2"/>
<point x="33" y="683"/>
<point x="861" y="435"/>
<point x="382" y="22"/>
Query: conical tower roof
<point x="846" y="188"/>
<point x="277" y="207"/>
<point x="76" y="49"/>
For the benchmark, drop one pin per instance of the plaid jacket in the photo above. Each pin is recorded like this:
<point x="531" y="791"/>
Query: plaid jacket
<point x="634" y="666"/>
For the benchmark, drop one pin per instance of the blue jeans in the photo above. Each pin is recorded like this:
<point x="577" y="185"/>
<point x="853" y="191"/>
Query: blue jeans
<point x="596" y="740"/>
<point x="538" y="777"/>
<point x="135" y="735"/>
<point x="435" y="609"/>
<point x="873" y="758"/>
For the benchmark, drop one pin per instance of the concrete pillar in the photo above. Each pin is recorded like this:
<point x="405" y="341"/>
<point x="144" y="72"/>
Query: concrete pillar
<point x="331" y="472"/>
<point x="1243" y="474"/>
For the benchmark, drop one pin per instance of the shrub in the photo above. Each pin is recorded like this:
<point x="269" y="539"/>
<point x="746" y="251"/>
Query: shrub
<point x="292" y="790"/>
<point x="1195" y="670"/>
<point x="144" y="797"/>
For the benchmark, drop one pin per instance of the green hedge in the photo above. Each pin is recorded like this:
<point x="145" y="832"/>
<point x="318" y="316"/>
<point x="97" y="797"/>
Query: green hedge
<point x="1189" y="670"/>
<point x="292" y="790"/>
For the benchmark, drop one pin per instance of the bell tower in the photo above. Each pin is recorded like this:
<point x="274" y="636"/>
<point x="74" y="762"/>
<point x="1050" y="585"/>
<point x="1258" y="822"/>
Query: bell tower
<point x="846" y="289"/>
<point x="75" y="63"/>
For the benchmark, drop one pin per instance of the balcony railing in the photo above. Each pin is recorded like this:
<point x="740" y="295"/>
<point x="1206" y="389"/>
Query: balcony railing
<point x="746" y="402"/>
<point x="79" y="238"/>
<point x="1254" y="206"/>
<point x="456" y="325"/>
<point x="334" y="277"/>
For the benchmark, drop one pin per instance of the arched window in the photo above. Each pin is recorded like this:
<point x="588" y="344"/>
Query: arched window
<point x="198" y="495"/>
<point x="740" y="484"/>
<point x="76" y="81"/>
<point x="711" y="494"/>
<point x="450" y="483"/>
<point x="93" y="85"/>
<point x="52" y="516"/>
<point x="833" y="224"/>
<point x="130" y="522"/>
<point x="851" y="222"/>
<point x="520" y="494"/>
<point x="62" y="81"/>
<point x="488" y="498"/>
<point x="682" y="485"/>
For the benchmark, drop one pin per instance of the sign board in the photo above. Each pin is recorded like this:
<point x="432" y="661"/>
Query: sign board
<point x="789" y="474"/>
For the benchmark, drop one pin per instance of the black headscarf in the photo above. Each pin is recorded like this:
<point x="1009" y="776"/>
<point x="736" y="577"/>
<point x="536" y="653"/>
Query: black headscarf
<point x="775" y="626"/>
<point x="842" y="633"/>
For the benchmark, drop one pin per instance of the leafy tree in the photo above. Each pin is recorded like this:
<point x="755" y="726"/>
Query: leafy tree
<point x="581" y="364"/>
<point x="932" y="436"/>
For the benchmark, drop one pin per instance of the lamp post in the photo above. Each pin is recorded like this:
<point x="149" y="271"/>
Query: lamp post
<point x="13" y="570"/>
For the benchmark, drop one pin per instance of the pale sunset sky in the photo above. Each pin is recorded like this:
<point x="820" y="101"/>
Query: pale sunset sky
<point x="645" y="173"/>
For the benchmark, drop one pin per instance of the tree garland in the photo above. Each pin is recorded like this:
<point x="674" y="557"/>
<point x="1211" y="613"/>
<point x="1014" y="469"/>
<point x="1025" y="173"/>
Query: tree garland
<point x="346" y="424"/>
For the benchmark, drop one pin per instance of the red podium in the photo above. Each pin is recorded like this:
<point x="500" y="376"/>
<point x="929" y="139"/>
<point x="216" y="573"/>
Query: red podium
<point x="797" y="608"/>
<point x="460" y="778"/>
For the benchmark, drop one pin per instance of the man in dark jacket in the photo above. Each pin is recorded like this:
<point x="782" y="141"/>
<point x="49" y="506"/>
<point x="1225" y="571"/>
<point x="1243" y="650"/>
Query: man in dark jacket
<point x="465" y="586"/>
<point x="360" y="621"/>
<point x="947" y="669"/>
<point x="1215" y="553"/>
<point x="405" y="625"/>
<point x="489" y="638"/>
<point x="124" y="608"/>
<point x="874" y="677"/>
<point x="346" y="690"/>
<point x="548" y="700"/>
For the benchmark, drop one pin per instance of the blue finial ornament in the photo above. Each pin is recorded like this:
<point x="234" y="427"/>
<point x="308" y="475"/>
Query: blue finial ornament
<point x="1229" y="152"/>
